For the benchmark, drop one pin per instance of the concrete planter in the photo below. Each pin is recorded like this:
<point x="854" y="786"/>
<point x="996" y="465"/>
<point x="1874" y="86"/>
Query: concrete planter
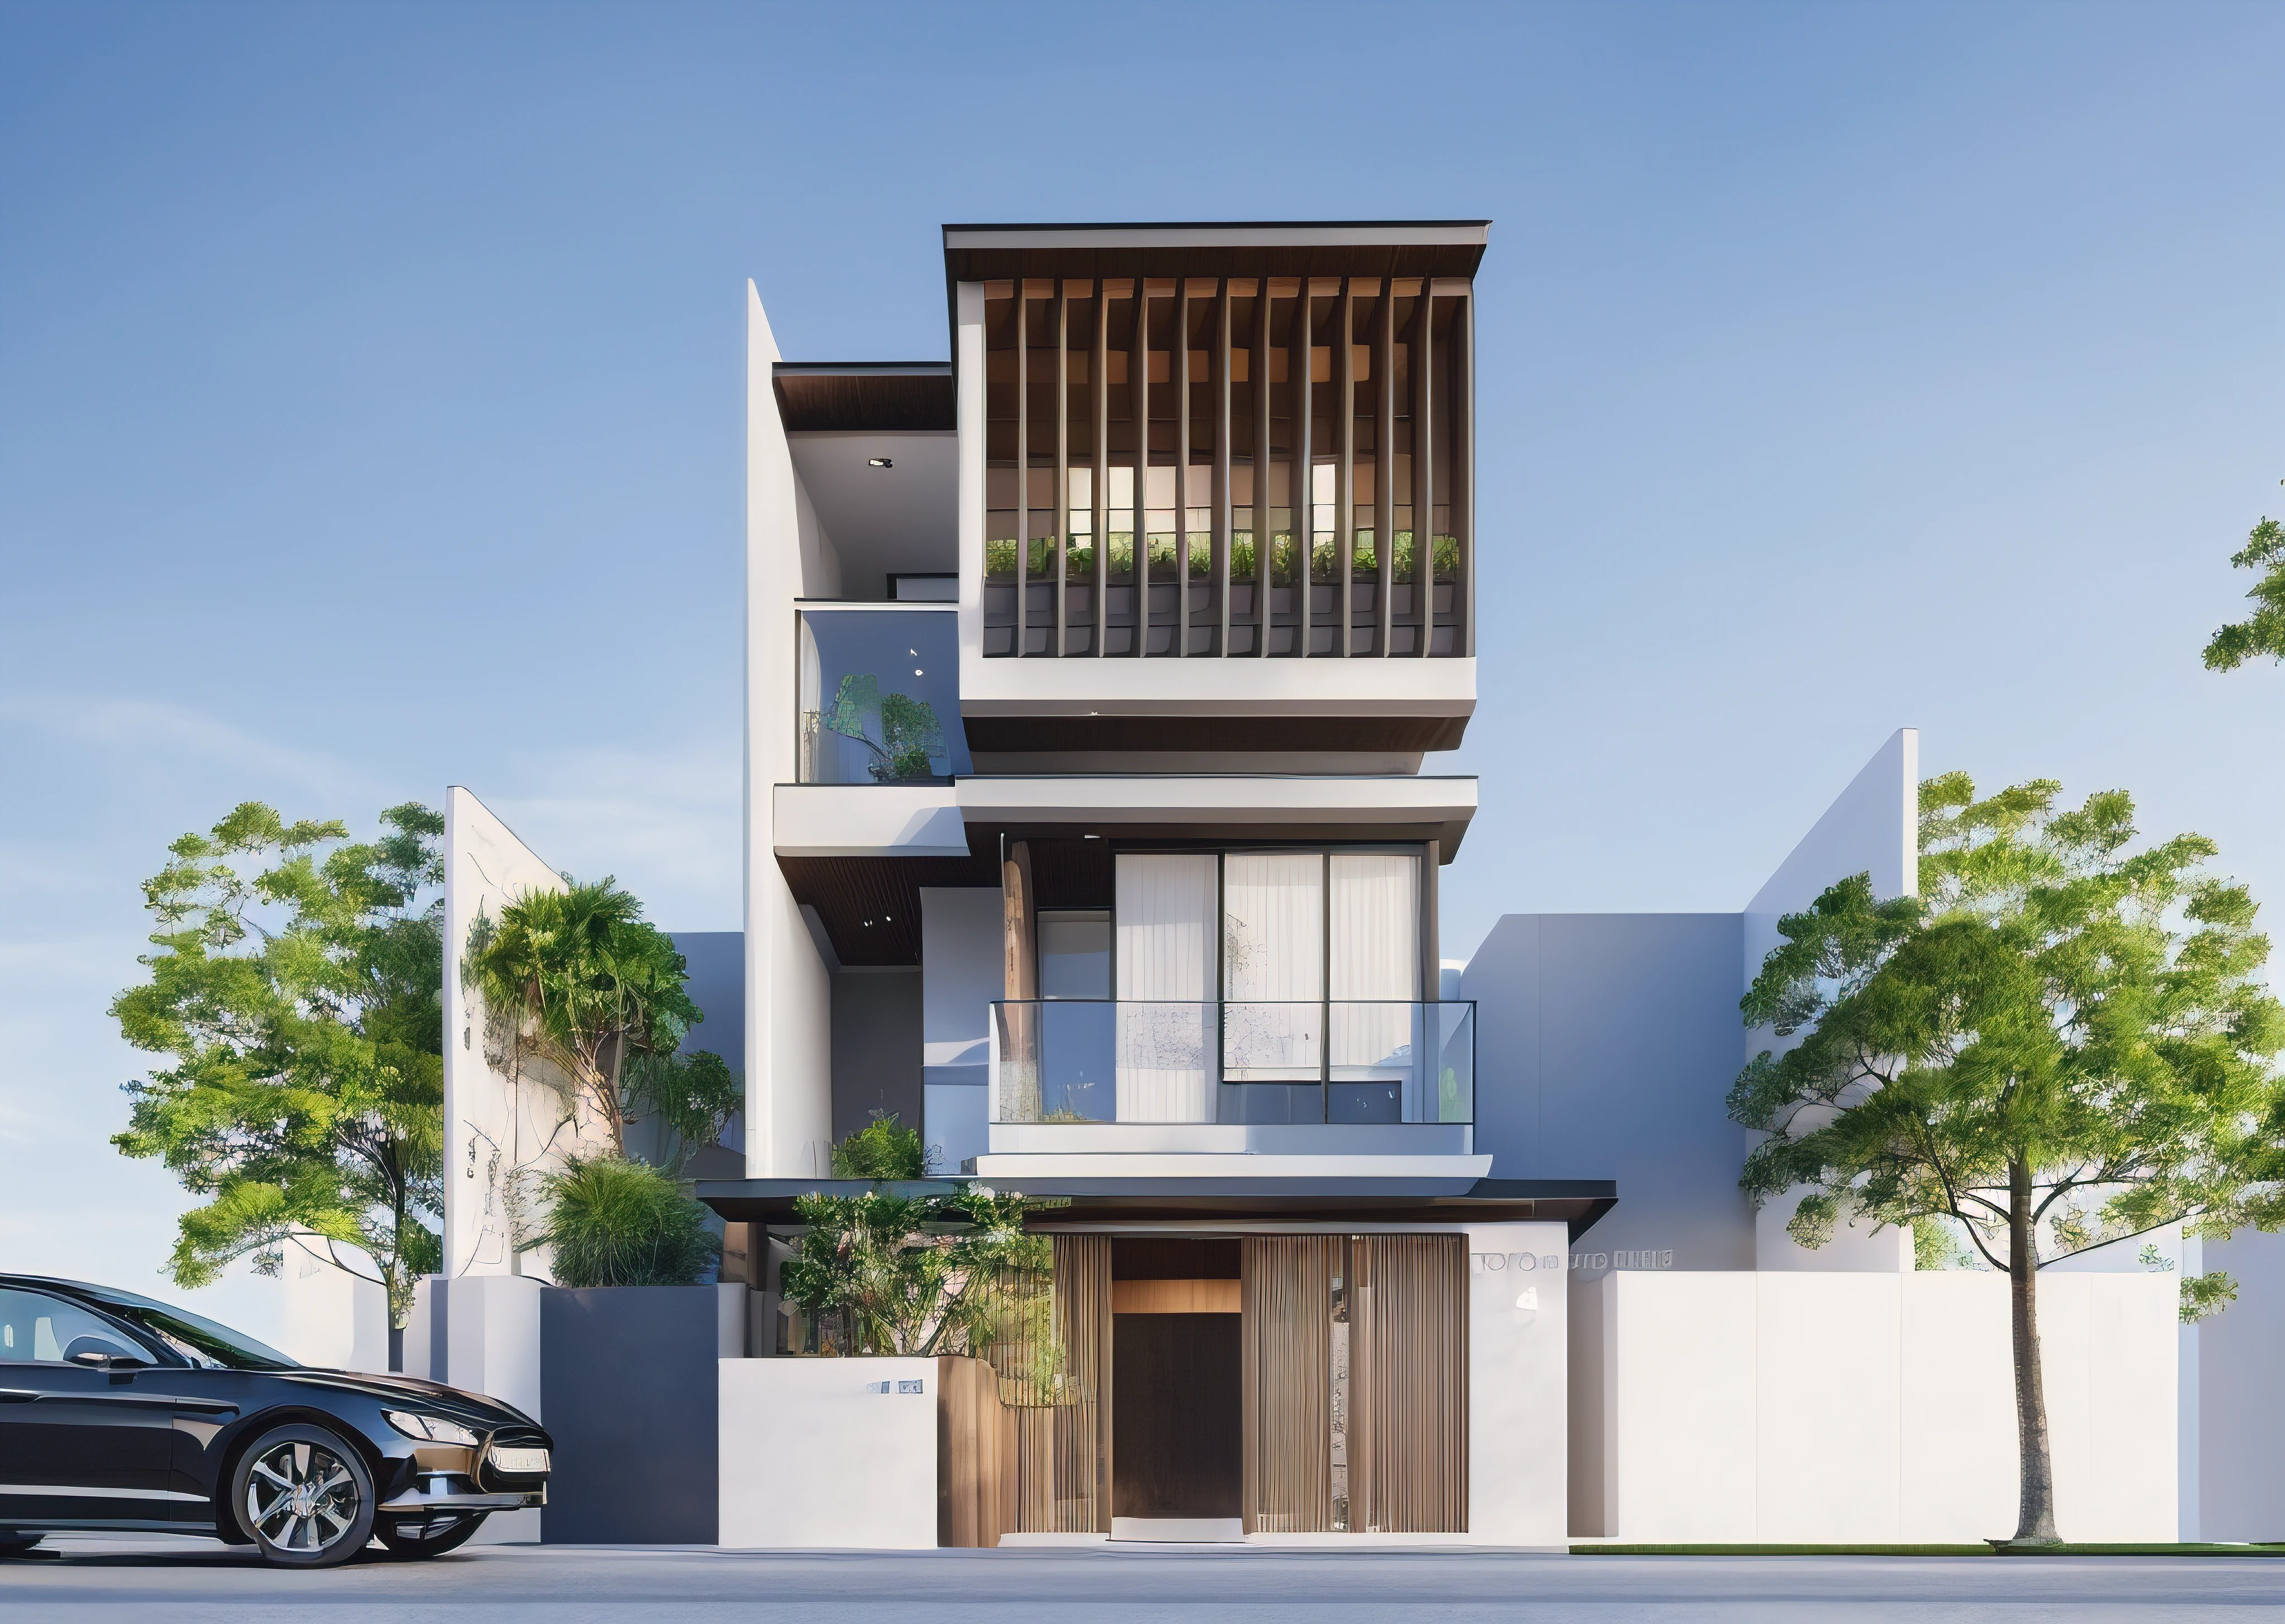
<point x="629" y="1390"/>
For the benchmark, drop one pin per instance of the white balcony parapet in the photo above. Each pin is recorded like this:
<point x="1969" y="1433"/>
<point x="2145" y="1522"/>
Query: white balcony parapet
<point x="868" y="820"/>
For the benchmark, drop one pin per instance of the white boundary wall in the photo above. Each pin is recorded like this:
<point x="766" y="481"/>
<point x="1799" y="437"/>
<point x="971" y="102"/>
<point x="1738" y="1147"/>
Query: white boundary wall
<point x="815" y="1455"/>
<point x="495" y="1125"/>
<point x="1860" y="1406"/>
<point x="1517" y="1358"/>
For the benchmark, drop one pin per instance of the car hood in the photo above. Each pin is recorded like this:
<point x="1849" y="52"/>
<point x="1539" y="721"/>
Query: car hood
<point x="451" y="1402"/>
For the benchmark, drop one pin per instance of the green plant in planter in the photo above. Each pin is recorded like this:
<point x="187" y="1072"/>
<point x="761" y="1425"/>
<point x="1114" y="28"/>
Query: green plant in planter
<point x="881" y="1149"/>
<point x="912" y="1275"/>
<point x="911" y="738"/>
<point x="613" y="1223"/>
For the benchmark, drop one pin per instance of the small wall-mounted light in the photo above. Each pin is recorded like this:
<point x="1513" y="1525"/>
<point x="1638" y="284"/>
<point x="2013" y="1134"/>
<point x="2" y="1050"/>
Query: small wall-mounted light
<point x="881" y="462"/>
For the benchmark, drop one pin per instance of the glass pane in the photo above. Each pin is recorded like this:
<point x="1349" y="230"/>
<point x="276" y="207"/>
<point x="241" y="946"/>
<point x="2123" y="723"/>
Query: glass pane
<point x="879" y="697"/>
<point x="1075" y="955"/>
<point x="1165" y="1062"/>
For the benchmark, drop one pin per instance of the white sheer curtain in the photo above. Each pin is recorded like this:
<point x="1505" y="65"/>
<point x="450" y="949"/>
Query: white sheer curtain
<point x="1166" y="958"/>
<point x="1376" y="967"/>
<point x="1273" y="966"/>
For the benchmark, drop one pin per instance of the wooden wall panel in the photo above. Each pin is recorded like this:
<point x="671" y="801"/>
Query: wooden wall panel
<point x="1287" y="1348"/>
<point x="1409" y="1326"/>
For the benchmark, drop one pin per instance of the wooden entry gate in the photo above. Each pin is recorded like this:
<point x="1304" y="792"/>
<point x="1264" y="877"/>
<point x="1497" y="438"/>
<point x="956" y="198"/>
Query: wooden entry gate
<point x="1354" y="1353"/>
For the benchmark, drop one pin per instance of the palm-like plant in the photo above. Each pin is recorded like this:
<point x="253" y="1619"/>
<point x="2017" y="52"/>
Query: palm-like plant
<point x="577" y="977"/>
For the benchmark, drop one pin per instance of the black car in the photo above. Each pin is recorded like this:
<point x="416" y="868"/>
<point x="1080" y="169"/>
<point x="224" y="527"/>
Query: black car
<point x="117" y="1412"/>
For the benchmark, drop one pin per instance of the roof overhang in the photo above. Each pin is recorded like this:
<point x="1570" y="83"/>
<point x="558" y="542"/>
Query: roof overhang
<point x="1200" y="1202"/>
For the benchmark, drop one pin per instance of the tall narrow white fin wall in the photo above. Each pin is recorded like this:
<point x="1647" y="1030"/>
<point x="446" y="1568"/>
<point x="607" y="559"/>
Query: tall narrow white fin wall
<point x="496" y="1125"/>
<point x="789" y="990"/>
<point x="1872" y="828"/>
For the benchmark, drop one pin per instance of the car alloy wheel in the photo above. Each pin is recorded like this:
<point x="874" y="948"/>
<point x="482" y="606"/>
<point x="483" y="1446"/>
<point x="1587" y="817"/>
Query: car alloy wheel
<point x="304" y="1497"/>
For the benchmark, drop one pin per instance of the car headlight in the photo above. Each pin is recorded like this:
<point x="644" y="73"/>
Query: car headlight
<point x="435" y="1429"/>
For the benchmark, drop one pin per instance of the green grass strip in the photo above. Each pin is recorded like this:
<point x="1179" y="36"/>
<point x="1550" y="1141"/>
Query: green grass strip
<point x="1927" y="1551"/>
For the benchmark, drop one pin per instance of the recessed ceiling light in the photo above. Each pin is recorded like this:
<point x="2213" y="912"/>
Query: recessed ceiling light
<point x="882" y="462"/>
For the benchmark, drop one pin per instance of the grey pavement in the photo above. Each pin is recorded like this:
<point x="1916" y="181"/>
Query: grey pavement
<point x="197" y="1582"/>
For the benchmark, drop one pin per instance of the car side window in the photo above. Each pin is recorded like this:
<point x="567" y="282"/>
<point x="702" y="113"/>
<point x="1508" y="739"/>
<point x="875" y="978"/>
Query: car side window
<point x="35" y="1329"/>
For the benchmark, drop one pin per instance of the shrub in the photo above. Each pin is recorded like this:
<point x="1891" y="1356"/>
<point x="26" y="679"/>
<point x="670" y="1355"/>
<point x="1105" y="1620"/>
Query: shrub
<point x="616" y="1222"/>
<point x="881" y="1149"/>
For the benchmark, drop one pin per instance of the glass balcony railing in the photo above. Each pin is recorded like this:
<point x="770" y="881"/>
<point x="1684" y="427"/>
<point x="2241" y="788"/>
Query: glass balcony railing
<point x="1075" y="1061"/>
<point x="879" y="694"/>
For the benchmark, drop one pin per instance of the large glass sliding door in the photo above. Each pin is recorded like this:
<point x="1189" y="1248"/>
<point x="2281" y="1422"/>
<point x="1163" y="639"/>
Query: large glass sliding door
<point x="1164" y="956"/>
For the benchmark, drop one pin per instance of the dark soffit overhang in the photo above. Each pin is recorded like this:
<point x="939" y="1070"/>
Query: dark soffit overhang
<point x="859" y="396"/>
<point x="982" y="253"/>
<point x="1577" y="1203"/>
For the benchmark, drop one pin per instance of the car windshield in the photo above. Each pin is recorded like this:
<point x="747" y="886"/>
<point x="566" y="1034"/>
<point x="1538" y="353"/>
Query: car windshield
<point x="196" y="1337"/>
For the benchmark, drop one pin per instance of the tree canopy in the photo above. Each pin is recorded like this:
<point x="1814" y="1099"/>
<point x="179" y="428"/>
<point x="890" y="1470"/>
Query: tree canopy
<point x="301" y="1006"/>
<point x="2264" y="631"/>
<point x="2061" y="1044"/>
<point x="578" y="978"/>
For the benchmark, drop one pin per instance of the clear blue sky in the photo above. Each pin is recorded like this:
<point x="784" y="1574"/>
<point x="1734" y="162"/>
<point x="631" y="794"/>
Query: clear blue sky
<point x="370" y="416"/>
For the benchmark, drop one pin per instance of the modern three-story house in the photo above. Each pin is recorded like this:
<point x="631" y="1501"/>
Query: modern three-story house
<point x="1089" y="681"/>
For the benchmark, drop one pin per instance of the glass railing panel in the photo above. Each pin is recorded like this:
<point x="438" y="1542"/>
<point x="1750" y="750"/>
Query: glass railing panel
<point x="879" y="694"/>
<point x="1273" y="1043"/>
<point x="1076" y="1061"/>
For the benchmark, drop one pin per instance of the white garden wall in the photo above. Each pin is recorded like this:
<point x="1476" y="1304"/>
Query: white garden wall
<point x="814" y="1452"/>
<point x="1873" y="1408"/>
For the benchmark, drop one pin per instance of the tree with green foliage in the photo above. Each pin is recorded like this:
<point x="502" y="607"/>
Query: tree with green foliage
<point x="302" y="1008"/>
<point x="579" y="979"/>
<point x="2061" y="1044"/>
<point x="693" y="1096"/>
<point x="2264" y="631"/>
<point x="913" y="1275"/>
<point x="911" y="738"/>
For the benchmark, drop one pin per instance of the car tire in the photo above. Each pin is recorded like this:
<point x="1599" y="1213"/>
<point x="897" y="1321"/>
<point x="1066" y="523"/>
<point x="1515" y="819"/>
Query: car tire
<point x="420" y="1547"/>
<point x="304" y="1497"/>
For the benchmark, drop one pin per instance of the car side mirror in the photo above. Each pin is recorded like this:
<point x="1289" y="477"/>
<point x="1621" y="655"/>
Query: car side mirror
<point x="96" y="1359"/>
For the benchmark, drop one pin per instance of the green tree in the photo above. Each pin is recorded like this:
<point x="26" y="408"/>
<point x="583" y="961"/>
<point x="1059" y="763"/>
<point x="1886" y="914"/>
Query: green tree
<point x="577" y="979"/>
<point x="911" y="738"/>
<point x="693" y="1096"/>
<point x="916" y="1274"/>
<point x="2065" y="1043"/>
<point x="302" y="1009"/>
<point x="2263" y="633"/>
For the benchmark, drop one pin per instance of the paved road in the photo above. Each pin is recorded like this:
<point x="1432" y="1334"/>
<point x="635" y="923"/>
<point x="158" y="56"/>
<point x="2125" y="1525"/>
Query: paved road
<point x="197" y="1582"/>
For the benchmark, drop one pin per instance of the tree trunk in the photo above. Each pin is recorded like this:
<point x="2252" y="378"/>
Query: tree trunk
<point x="2035" y="1520"/>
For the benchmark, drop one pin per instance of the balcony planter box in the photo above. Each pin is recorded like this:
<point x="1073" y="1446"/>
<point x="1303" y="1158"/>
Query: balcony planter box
<point x="627" y="1389"/>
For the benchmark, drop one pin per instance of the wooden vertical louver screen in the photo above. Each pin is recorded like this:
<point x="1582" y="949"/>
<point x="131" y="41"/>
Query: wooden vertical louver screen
<point x="1054" y="1381"/>
<point x="1288" y="1350"/>
<point x="1407" y="1341"/>
<point x="1356" y="1403"/>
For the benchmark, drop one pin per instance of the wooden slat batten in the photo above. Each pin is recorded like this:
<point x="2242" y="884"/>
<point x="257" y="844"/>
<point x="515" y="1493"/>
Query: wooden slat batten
<point x="1287" y="1339"/>
<point x="1178" y="374"/>
<point x="1345" y="474"/>
<point x="1063" y="470"/>
<point x="1221" y="500"/>
<point x="1301" y="466"/>
<point x="1099" y="499"/>
<point x="1138" y="382"/>
<point x="1424" y="469"/>
<point x="1264" y="552"/>
<point x="1408" y="1337"/>
<point x="1384" y="468"/>
<point x="1463" y="471"/>
<point x="1023" y="472"/>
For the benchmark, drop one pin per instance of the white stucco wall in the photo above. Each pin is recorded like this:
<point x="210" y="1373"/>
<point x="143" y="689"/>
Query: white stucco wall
<point x="334" y="1319"/>
<point x="813" y="1454"/>
<point x="500" y="1120"/>
<point x="1518" y="1463"/>
<point x="1863" y="1407"/>
<point x="789" y="1047"/>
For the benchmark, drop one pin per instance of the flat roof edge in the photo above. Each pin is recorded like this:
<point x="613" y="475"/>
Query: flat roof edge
<point x="1225" y="234"/>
